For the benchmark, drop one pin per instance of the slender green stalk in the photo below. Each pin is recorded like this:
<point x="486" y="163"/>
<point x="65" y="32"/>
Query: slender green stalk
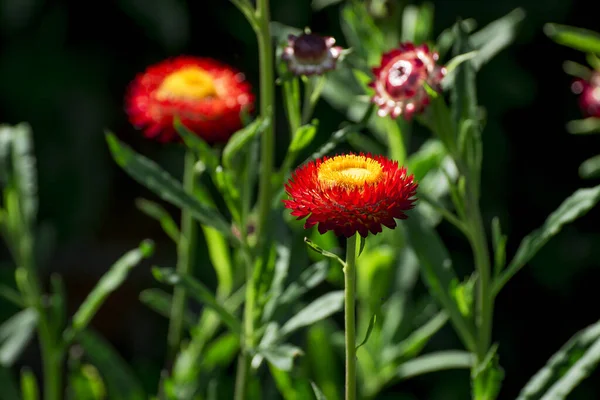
<point x="185" y="258"/>
<point x="267" y="97"/>
<point x="241" y="378"/>
<point x="51" y="351"/>
<point x="350" y="317"/>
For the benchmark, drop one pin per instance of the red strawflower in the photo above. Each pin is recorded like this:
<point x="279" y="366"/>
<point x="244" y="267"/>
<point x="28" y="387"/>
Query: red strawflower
<point x="589" y="91"/>
<point x="207" y="95"/>
<point x="311" y="54"/>
<point x="400" y="79"/>
<point x="351" y="193"/>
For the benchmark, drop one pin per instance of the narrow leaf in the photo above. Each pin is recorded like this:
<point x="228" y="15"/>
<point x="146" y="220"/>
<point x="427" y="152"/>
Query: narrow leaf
<point x="369" y="330"/>
<point x="121" y="382"/>
<point x="200" y="292"/>
<point x="566" y="368"/>
<point x="25" y="173"/>
<point x="241" y="140"/>
<point x="590" y="168"/>
<point x="573" y="37"/>
<point x="281" y="356"/>
<point x="584" y="126"/>
<point x="325" y="253"/>
<point x="499" y="242"/>
<point x="438" y="361"/>
<point x="160" y="301"/>
<point x="303" y="137"/>
<point x="160" y="182"/>
<point x="109" y="282"/>
<point x="205" y="153"/>
<point x="308" y="279"/>
<point x="156" y="211"/>
<point x="11" y="295"/>
<point x="575" y="206"/>
<point x="15" y="333"/>
<point x="319" y="309"/>
<point x="318" y="393"/>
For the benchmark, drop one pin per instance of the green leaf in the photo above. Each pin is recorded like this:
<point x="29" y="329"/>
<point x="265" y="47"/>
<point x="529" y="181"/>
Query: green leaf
<point x="29" y="386"/>
<point x="156" y="211"/>
<point x="200" y="292"/>
<point x="432" y="362"/>
<point x="205" y="153"/>
<point x="417" y="340"/>
<point x="121" y="382"/>
<point x="160" y="301"/>
<point x="573" y="37"/>
<point x="590" y="168"/>
<point x="24" y="170"/>
<point x="160" y="182"/>
<point x="319" y="309"/>
<point x="361" y="245"/>
<point x="308" y="279"/>
<point x="487" y="376"/>
<point x="576" y="70"/>
<point x="369" y="330"/>
<point x="496" y="36"/>
<point x="437" y="272"/>
<point x="323" y="359"/>
<point x="584" y="126"/>
<point x="7" y="383"/>
<point x="11" y="295"/>
<point x="459" y="59"/>
<point x="85" y="382"/>
<point x="566" y="368"/>
<point x="281" y="356"/>
<point x="15" y="333"/>
<point x="361" y="32"/>
<point x="221" y="351"/>
<point x="324" y="253"/>
<point x="318" y="5"/>
<point x="109" y="282"/>
<point x="241" y="139"/>
<point x="303" y="137"/>
<point x="318" y="393"/>
<point x="575" y="206"/>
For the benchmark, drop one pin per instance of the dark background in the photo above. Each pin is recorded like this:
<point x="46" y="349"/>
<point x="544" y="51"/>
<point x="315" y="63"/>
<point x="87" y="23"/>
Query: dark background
<point x="64" y="66"/>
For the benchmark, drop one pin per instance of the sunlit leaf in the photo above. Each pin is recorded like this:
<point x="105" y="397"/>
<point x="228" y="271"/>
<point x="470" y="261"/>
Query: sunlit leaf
<point x="323" y="252"/>
<point x="575" y="206"/>
<point x="15" y="334"/>
<point x="584" y="126"/>
<point x="432" y="362"/>
<point x="590" y="168"/>
<point x="156" y="211"/>
<point x="318" y="393"/>
<point x="576" y="38"/>
<point x="109" y="282"/>
<point x="369" y="330"/>
<point x="160" y="182"/>
<point x="319" y="309"/>
<point x="566" y="368"/>
<point x="29" y="386"/>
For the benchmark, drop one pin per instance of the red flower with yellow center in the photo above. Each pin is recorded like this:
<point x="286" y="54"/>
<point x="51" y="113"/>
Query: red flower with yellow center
<point x="400" y="79"/>
<point x="207" y="95"/>
<point x="351" y="193"/>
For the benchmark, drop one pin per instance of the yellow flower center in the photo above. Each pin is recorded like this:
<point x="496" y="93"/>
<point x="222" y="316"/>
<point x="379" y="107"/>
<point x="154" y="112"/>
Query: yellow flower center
<point x="349" y="171"/>
<point x="190" y="83"/>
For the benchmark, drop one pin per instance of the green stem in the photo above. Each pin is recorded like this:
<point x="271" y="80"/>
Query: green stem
<point x="52" y="353"/>
<point x="267" y="97"/>
<point x="485" y="297"/>
<point x="185" y="258"/>
<point x="350" y="317"/>
<point x="241" y="376"/>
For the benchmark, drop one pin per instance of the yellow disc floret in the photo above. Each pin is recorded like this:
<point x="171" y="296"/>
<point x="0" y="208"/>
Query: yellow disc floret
<point x="190" y="83"/>
<point x="349" y="171"/>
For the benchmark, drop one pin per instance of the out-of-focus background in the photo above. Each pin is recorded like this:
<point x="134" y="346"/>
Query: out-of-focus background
<point x="64" y="68"/>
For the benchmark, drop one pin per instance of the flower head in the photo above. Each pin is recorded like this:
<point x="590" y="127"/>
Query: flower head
<point x="310" y="54"/>
<point x="207" y="95"/>
<point x="351" y="193"/>
<point x="589" y="94"/>
<point x="400" y="79"/>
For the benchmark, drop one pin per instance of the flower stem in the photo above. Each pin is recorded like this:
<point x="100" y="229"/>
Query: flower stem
<point x="350" y="317"/>
<point x="185" y="258"/>
<point x="267" y="97"/>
